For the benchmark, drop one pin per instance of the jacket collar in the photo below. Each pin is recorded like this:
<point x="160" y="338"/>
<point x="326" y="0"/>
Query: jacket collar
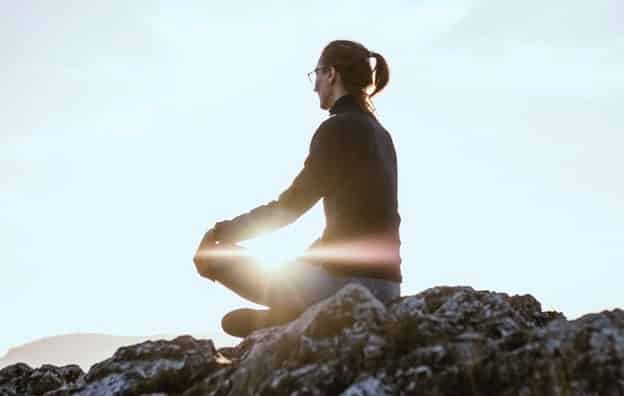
<point x="345" y="103"/>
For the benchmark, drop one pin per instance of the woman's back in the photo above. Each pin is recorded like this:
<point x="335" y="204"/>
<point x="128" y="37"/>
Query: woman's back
<point x="360" y="202"/>
<point x="364" y="195"/>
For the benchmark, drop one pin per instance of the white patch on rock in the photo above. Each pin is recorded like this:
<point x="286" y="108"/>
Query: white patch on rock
<point x="370" y="386"/>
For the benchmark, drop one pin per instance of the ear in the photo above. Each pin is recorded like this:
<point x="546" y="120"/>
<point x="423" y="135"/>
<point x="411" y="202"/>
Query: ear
<point x="333" y="75"/>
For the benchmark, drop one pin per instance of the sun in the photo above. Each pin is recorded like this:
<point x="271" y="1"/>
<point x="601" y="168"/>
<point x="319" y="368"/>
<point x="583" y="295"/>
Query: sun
<point x="271" y="257"/>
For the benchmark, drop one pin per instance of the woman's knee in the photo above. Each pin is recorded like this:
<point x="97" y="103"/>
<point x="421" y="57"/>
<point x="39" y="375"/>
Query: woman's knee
<point x="204" y="266"/>
<point x="213" y="263"/>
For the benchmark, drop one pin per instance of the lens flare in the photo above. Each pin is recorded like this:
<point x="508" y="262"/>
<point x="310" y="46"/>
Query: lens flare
<point x="355" y="252"/>
<point x="271" y="258"/>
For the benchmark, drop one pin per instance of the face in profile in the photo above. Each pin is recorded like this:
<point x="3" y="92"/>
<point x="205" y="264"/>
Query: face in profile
<point x="322" y="86"/>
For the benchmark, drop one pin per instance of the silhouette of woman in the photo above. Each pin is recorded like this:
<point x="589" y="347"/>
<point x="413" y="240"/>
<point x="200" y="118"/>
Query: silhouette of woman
<point x="352" y="165"/>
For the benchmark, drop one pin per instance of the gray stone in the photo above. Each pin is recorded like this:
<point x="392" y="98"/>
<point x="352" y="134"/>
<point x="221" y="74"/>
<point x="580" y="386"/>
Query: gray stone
<point x="442" y="341"/>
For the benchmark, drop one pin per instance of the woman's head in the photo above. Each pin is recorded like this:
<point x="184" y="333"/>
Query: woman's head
<point x="344" y="67"/>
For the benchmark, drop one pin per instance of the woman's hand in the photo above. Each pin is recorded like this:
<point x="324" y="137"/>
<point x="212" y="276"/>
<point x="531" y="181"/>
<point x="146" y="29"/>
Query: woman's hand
<point x="201" y="257"/>
<point x="208" y="241"/>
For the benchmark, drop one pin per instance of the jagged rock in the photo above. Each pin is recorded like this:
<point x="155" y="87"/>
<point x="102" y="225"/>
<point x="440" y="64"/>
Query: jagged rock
<point x="21" y="379"/>
<point x="150" y="367"/>
<point x="442" y="341"/>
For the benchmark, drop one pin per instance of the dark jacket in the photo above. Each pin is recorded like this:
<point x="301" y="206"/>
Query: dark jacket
<point x="352" y="165"/>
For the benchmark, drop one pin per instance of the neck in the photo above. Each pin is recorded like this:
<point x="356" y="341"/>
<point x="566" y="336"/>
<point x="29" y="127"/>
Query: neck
<point x="337" y="93"/>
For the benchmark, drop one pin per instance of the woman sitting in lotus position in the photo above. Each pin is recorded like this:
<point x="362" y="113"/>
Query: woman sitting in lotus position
<point x="352" y="165"/>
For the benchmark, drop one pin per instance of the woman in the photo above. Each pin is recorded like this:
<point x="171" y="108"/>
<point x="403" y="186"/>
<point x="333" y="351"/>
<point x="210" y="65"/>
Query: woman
<point x="352" y="165"/>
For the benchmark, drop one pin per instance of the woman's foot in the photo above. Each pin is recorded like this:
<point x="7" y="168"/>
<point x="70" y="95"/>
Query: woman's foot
<point x="244" y="321"/>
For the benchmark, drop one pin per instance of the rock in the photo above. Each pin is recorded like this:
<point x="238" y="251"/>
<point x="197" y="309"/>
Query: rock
<point x="21" y="379"/>
<point x="442" y="341"/>
<point x="150" y="367"/>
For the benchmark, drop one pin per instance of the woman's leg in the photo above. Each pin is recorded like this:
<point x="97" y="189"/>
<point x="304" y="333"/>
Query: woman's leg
<point x="294" y="286"/>
<point x="326" y="284"/>
<point x="236" y="269"/>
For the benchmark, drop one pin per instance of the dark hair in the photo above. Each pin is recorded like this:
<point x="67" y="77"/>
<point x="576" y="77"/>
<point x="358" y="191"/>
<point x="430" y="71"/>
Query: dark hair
<point x="352" y="60"/>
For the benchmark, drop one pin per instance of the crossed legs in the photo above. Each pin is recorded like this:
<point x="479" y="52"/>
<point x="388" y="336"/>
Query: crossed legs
<point x="232" y="266"/>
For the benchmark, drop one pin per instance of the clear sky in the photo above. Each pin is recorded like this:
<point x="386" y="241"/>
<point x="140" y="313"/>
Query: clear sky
<point x="127" y="129"/>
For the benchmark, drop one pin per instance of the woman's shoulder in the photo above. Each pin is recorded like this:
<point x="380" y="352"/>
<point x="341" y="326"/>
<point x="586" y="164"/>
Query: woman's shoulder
<point x="347" y="121"/>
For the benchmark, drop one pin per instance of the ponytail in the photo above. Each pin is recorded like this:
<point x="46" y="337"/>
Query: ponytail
<point x="382" y="73"/>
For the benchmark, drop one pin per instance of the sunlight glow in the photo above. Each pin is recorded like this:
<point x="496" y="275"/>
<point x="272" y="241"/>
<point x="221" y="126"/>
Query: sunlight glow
<point x="268" y="258"/>
<point x="271" y="258"/>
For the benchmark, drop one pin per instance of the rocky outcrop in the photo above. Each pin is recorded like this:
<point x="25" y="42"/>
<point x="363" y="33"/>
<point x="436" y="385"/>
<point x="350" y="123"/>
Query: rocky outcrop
<point x="442" y="341"/>
<point x="82" y="349"/>
<point x="21" y="379"/>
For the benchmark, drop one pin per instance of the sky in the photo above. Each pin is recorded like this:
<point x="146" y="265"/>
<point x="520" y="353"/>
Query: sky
<point x="128" y="129"/>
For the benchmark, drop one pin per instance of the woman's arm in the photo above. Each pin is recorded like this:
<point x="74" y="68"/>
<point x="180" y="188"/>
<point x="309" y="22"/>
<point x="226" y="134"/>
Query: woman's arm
<point x="313" y="182"/>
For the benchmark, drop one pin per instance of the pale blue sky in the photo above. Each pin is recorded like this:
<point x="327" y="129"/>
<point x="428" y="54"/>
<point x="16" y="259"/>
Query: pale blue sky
<point x="128" y="129"/>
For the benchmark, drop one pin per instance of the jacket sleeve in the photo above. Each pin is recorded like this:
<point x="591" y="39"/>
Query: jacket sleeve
<point x="313" y="182"/>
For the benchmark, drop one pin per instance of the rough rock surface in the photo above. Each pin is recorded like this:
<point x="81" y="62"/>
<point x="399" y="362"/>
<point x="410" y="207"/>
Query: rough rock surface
<point x="442" y="341"/>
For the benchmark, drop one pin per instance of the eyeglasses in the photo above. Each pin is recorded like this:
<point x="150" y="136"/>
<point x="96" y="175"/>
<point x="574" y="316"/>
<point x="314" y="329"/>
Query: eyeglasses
<point x="313" y="72"/>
